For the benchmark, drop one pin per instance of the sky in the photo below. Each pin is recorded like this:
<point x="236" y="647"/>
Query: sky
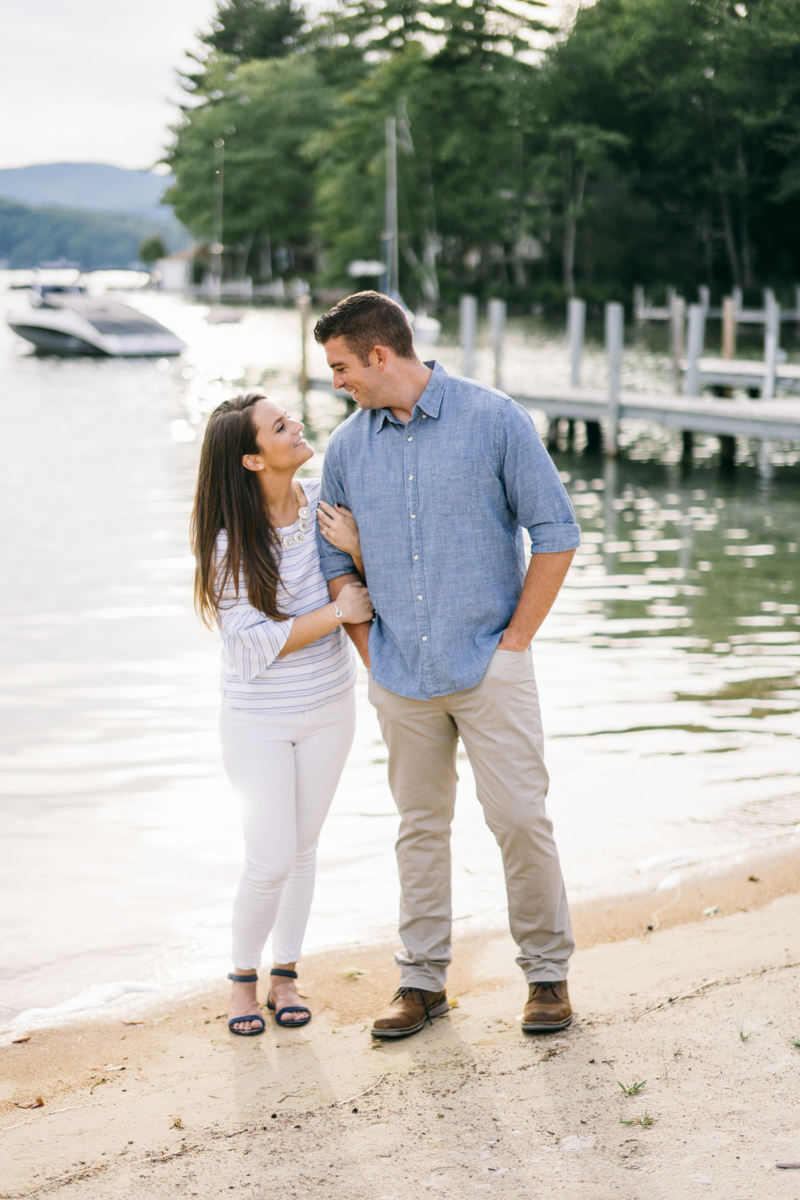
<point x="94" y="80"/>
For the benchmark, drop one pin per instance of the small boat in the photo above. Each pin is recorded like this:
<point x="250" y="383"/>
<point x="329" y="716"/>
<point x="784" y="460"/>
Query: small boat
<point x="61" y="318"/>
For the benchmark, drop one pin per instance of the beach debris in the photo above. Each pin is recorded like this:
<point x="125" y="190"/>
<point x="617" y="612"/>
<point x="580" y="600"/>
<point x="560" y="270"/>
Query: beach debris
<point x="97" y="1083"/>
<point x="176" y="1123"/>
<point x="753" y="879"/>
<point x="712" y="911"/>
<point x="645" y="1120"/>
<point x="16" y="1041"/>
<point x="351" y="973"/>
<point x="133" y="1022"/>
<point x="366" y="1090"/>
<point x="37" y="1103"/>
<point x="633" y="1088"/>
<point x="454" y="1003"/>
<point x="788" y="1166"/>
<point x="288" y="1094"/>
<point x="158" y="1020"/>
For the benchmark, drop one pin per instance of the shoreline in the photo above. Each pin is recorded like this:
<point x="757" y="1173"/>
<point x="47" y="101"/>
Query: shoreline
<point x="697" y="1020"/>
<point x="354" y="982"/>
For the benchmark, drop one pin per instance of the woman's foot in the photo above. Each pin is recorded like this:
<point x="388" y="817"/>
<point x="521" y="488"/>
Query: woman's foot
<point x="283" y="992"/>
<point x="243" y="1003"/>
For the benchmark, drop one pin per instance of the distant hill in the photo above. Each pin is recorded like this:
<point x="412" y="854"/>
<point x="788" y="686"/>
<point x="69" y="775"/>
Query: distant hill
<point x="95" y="186"/>
<point x="30" y="235"/>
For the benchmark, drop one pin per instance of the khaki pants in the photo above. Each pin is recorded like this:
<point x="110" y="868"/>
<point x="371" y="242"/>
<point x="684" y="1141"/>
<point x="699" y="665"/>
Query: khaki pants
<point x="500" y="725"/>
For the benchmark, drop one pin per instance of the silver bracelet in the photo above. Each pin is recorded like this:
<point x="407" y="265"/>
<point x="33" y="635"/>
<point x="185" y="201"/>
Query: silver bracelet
<point x="337" y="612"/>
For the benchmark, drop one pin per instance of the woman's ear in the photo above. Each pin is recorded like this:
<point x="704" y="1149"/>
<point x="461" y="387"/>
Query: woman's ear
<point x="252" y="462"/>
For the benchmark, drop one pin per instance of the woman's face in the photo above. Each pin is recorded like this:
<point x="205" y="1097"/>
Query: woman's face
<point x="280" y="440"/>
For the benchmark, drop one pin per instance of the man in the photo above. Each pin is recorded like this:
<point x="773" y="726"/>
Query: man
<point x="441" y="474"/>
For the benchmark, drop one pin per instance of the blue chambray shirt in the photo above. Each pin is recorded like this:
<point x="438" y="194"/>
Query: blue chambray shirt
<point x="440" y="504"/>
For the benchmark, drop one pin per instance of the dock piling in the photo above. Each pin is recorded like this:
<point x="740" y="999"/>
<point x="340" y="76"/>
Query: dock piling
<point x="772" y="326"/>
<point x="304" y="308"/>
<point x="729" y="327"/>
<point x="576" y="325"/>
<point x="614" y="335"/>
<point x="704" y="294"/>
<point x="468" y="328"/>
<point x="697" y="321"/>
<point x="677" y="336"/>
<point x="497" y="331"/>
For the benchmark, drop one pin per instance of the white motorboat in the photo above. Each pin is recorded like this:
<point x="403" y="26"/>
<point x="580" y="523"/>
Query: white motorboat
<point x="62" y="318"/>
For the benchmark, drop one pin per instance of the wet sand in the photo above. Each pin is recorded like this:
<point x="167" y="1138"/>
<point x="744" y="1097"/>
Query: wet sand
<point x="702" y="1008"/>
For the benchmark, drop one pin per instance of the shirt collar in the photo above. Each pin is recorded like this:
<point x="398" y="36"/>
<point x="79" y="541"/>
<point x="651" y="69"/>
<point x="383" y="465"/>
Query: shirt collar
<point x="430" y="402"/>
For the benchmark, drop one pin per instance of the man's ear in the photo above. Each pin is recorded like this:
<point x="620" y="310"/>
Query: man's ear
<point x="252" y="462"/>
<point x="379" y="357"/>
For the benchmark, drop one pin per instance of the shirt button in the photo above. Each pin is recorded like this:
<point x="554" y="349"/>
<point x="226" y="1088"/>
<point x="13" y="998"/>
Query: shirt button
<point x="410" y="439"/>
<point x="413" y="516"/>
<point x="419" y="597"/>
<point x="424" y="637"/>
<point x="411" y="477"/>
<point x="424" y="415"/>
<point x="416" y="556"/>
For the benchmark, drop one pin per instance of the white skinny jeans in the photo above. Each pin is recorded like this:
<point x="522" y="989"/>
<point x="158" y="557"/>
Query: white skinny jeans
<point x="284" y="768"/>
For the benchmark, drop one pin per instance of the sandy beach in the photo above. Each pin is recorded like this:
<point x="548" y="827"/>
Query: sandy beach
<point x="696" y="1017"/>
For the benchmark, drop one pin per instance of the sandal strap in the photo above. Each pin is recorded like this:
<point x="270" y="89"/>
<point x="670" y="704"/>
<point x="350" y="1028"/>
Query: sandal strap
<point x="284" y="974"/>
<point x="243" y="979"/>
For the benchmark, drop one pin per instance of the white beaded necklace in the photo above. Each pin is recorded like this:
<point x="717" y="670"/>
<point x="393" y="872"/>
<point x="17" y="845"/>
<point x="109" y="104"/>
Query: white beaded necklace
<point x="303" y="525"/>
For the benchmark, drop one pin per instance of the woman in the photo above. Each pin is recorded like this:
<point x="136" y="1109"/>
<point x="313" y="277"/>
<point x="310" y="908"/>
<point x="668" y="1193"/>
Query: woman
<point x="288" y="709"/>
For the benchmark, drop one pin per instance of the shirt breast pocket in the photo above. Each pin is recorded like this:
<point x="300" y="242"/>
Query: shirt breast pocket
<point x="451" y="490"/>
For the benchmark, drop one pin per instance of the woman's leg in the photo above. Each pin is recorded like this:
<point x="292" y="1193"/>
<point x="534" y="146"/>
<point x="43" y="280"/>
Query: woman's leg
<point x="258" y="754"/>
<point x="320" y="756"/>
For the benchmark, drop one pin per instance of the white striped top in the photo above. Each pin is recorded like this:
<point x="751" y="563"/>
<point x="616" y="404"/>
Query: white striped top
<point x="253" y="677"/>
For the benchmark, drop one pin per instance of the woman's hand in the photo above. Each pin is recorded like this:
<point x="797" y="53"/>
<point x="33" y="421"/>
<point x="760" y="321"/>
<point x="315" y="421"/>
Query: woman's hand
<point x="339" y="529"/>
<point x="355" y="605"/>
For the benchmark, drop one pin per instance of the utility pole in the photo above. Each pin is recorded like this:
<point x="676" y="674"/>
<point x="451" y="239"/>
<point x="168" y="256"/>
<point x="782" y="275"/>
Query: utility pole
<point x="391" y="277"/>
<point x="216" y="245"/>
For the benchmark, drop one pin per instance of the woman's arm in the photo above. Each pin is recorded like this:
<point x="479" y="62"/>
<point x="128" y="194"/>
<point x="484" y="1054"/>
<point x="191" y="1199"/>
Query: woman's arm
<point x="337" y="526"/>
<point x="353" y="603"/>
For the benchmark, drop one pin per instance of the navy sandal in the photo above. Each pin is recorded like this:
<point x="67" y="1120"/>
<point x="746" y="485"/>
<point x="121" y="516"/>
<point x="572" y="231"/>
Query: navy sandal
<point x="289" y="1007"/>
<point x="253" y="1017"/>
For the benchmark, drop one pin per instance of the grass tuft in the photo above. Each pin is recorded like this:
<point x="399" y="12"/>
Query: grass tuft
<point x="633" y="1088"/>
<point x="645" y="1120"/>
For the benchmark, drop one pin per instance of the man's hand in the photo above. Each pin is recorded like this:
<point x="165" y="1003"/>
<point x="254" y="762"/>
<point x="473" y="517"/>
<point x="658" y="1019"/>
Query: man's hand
<point x="543" y="581"/>
<point x="358" y="634"/>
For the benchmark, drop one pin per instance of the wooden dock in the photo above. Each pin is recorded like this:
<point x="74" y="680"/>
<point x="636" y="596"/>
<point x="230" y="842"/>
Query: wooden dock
<point x="767" y="420"/>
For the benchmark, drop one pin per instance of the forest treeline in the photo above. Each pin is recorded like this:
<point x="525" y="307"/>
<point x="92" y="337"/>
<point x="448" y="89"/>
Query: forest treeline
<point x="654" y="142"/>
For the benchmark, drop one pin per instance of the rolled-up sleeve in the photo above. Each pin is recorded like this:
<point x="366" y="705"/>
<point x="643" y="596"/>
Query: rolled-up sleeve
<point x="333" y="562"/>
<point x="534" y="491"/>
<point x="252" y="640"/>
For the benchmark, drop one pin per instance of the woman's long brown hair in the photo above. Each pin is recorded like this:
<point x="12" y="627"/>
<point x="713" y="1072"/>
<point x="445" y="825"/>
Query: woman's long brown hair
<point x="228" y="497"/>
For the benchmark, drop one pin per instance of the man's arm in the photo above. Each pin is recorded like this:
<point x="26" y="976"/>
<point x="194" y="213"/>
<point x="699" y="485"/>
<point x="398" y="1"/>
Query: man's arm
<point x="543" y="581"/>
<point x="359" y="634"/>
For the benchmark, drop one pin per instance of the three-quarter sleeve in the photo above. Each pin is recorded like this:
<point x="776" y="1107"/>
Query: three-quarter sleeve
<point x="533" y="488"/>
<point x="252" y="640"/>
<point x="333" y="562"/>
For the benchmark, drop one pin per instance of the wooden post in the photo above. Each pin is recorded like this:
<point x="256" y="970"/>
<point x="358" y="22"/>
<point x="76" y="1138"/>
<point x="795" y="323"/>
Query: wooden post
<point x="468" y="327"/>
<point x="638" y="303"/>
<point x="614" y="336"/>
<point x="737" y="300"/>
<point x="576" y="325"/>
<point x="704" y="295"/>
<point x="677" y="333"/>
<point x="697" y="320"/>
<point x="729" y="327"/>
<point x="304" y="308"/>
<point x="497" y="330"/>
<point x="771" y="341"/>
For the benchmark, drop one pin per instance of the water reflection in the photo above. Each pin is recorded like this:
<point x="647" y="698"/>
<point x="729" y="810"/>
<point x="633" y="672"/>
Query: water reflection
<point x="668" y="670"/>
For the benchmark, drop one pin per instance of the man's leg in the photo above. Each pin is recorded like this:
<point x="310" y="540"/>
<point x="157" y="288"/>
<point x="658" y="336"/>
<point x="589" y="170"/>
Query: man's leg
<point x="501" y="727"/>
<point x="422" y="742"/>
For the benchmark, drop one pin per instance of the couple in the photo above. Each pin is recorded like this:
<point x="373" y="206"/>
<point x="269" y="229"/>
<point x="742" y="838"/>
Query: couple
<point x="418" y="557"/>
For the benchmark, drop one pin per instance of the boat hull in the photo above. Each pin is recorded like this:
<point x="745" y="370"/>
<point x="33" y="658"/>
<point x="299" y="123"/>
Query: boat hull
<point x="78" y="325"/>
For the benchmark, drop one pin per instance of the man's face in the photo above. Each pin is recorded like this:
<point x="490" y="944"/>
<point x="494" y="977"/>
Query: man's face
<point x="365" y="382"/>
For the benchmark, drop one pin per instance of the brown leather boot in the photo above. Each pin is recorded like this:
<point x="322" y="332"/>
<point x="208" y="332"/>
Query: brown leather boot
<point x="548" y="1008"/>
<point x="408" y="1011"/>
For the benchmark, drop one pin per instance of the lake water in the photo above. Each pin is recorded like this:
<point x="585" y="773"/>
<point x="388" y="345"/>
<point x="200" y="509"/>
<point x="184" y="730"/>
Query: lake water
<point x="668" y="669"/>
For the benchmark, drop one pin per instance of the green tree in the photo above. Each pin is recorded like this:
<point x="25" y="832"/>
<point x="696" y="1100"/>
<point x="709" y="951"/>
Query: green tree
<point x="152" y="248"/>
<point x="265" y="113"/>
<point x="244" y="31"/>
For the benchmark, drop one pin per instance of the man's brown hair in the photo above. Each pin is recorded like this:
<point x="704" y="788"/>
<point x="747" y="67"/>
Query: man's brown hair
<point x="366" y="320"/>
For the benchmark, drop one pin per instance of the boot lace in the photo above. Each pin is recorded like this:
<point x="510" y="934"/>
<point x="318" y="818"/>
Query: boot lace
<point x="402" y="992"/>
